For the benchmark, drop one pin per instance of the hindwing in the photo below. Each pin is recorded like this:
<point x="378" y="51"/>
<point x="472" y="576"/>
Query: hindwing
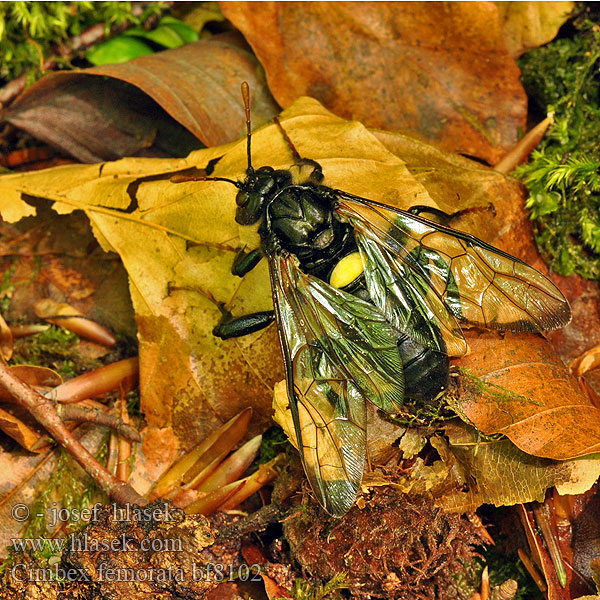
<point x="339" y="351"/>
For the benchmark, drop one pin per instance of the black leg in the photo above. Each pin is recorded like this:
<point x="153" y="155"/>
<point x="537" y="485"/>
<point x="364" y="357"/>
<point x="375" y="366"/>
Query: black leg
<point x="316" y="175"/>
<point x="230" y="326"/>
<point x="244" y="262"/>
<point x="446" y="218"/>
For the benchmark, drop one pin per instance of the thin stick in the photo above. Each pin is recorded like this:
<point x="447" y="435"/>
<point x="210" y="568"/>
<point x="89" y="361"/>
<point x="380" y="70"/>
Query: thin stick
<point x="87" y="414"/>
<point x="521" y="151"/>
<point x="124" y="444"/>
<point x="186" y="179"/>
<point x="44" y="412"/>
<point x="288" y="141"/>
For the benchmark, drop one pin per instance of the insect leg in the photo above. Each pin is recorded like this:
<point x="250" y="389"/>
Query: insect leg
<point x="244" y="262"/>
<point x="446" y="218"/>
<point x="230" y="326"/>
<point x="314" y="176"/>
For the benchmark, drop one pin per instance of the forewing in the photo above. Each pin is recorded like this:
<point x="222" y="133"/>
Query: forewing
<point x="339" y="351"/>
<point x="476" y="282"/>
<point x="407" y="300"/>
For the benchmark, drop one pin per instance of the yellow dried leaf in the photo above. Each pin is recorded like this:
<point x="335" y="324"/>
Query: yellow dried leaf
<point x="527" y="25"/>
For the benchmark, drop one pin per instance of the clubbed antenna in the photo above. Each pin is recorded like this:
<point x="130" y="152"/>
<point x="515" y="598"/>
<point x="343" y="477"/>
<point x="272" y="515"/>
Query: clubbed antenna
<point x="246" y="100"/>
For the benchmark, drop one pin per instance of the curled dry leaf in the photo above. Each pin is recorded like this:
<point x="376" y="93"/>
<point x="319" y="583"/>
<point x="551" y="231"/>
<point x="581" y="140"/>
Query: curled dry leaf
<point x="495" y="471"/>
<point x="122" y="375"/>
<point x="197" y="461"/>
<point x="517" y="385"/>
<point x="439" y="69"/>
<point x="17" y="422"/>
<point x="6" y="340"/>
<point x="178" y="241"/>
<point x="234" y="467"/>
<point x="25" y="330"/>
<point x="527" y="25"/>
<point x="70" y="318"/>
<point x="204" y="480"/>
<point x="40" y="378"/>
<point x="588" y="361"/>
<point x="197" y="85"/>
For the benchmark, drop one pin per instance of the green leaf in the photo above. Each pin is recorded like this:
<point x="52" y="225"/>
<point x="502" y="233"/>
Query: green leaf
<point x="118" y="50"/>
<point x="188" y="34"/>
<point x="165" y="36"/>
<point x="170" y="33"/>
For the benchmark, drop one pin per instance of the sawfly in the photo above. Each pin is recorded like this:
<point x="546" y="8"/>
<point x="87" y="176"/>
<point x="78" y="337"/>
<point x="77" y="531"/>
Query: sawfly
<point x="369" y="301"/>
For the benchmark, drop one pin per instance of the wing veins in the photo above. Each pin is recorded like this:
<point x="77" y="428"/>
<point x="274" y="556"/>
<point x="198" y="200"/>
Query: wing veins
<point x="534" y="297"/>
<point x="334" y="457"/>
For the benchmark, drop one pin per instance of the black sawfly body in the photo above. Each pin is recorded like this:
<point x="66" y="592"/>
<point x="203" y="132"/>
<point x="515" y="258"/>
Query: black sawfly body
<point x="300" y="220"/>
<point x="368" y="301"/>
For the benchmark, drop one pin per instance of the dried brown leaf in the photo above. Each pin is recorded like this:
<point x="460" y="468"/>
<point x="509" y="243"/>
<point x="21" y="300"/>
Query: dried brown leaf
<point x="439" y="69"/>
<point x="194" y="88"/>
<point x="38" y="377"/>
<point x="13" y="424"/>
<point x="497" y="472"/>
<point x="178" y="243"/>
<point x="515" y="384"/>
<point x="6" y="340"/>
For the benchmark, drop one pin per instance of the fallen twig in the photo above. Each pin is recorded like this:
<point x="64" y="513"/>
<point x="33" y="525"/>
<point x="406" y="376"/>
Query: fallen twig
<point x="44" y="411"/>
<point x="87" y="414"/>
<point x="124" y="444"/>
<point x="257" y="521"/>
<point x="524" y="147"/>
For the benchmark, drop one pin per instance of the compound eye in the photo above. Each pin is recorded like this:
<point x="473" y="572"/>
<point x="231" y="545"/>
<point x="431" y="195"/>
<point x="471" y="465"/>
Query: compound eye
<point x="241" y="198"/>
<point x="250" y="211"/>
<point x="265" y="169"/>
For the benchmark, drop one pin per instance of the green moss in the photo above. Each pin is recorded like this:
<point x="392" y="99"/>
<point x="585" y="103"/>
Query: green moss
<point x="304" y="590"/>
<point x="29" y="30"/>
<point x="69" y="487"/>
<point x="430" y="414"/>
<point x="7" y="288"/>
<point x="55" y="348"/>
<point x="133" y="403"/>
<point x="273" y="443"/>
<point x="562" y="176"/>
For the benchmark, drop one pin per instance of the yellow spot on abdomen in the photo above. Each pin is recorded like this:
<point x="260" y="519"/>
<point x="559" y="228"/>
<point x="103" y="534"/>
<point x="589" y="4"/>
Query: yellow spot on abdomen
<point x="347" y="270"/>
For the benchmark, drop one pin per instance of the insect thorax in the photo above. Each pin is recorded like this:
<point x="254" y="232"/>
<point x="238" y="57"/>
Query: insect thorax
<point x="303" y="221"/>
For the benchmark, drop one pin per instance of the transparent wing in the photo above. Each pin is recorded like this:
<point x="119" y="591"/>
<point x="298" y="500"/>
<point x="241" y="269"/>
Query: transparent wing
<point x="404" y="295"/>
<point x="457" y="276"/>
<point x="339" y="351"/>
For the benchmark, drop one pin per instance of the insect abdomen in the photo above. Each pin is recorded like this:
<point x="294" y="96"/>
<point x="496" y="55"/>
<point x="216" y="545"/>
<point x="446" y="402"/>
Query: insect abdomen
<point x="425" y="371"/>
